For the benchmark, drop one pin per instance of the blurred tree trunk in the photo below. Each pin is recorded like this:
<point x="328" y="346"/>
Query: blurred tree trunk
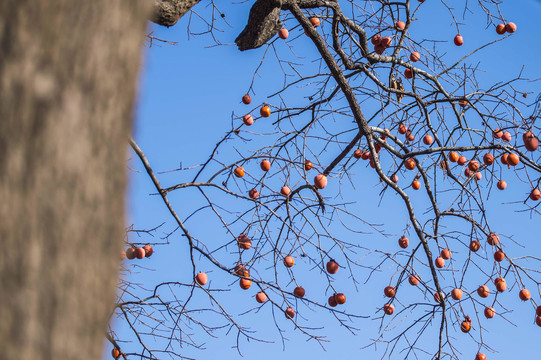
<point x="68" y="71"/>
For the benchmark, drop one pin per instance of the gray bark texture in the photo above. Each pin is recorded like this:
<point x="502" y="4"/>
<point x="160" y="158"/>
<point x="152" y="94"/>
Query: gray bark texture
<point x="263" y="24"/>
<point x="68" y="71"/>
<point x="168" y="12"/>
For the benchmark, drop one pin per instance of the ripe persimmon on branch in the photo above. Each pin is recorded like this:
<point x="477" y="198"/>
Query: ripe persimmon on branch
<point x="380" y="102"/>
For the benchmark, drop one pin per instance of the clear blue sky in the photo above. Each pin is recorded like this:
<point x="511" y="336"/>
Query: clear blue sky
<point x="190" y="94"/>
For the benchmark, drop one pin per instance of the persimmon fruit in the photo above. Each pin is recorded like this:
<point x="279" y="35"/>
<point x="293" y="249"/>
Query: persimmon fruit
<point x="332" y="301"/>
<point x="493" y="239"/>
<point x="376" y="39"/>
<point x="247" y="119"/>
<point x="379" y="49"/>
<point x="246" y="99"/>
<point x="453" y="156"/>
<point x="475" y="245"/>
<point x="244" y="242"/>
<point x="408" y="74"/>
<point x="389" y="291"/>
<point x="315" y="21"/>
<point x="403" y="242"/>
<point x="320" y="181"/>
<point x="483" y="291"/>
<point x="414" y="280"/>
<point x="510" y="27"/>
<point x="245" y="284"/>
<point x="439" y="297"/>
<point x="530" y="141"/>
<point x="386" y="41"/>
<point x="488" y="159"/>
<point x="500" y="283"/>
<point x="443" y="165"/>
<point x="239" y="171"/>
<point x="254" y="194"/>
<point x="456" y="294"/>
<point x="140" y="253"/>
<point x="290" y="313"/>
<point x="148" y="250"/>
<point x="265" y="111"/>
<point x="489" y="312"/>
<point x="465" y="327"/>
<point x="445" y="254"/>
<point x="428" y="140"/>
<point x="524" y="295"/>
<point x="241" y="270"/>
<point x="513" y="159"/>
<point x="299" y="292"/>
<point x="411" y="137"/>
<point x="473" y="165"/>
<point x="289" y="261"/>
<point x="332" y="267"/>
<point x="285" y="190"/>
<point x="388" y="309"/>
<point x="265" y="165"/>
<point x="261" y="297"/>
<point x="340" y="298"/>
<point x="409" y="163"/>
<point x="365" y="155"/>
<point x="201" y="278"/>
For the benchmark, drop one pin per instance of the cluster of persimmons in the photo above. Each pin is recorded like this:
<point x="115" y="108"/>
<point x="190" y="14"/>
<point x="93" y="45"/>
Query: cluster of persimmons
<point x="137" y="252"/>
<point x="472" y="169"/>
<point x="245" y="243"/>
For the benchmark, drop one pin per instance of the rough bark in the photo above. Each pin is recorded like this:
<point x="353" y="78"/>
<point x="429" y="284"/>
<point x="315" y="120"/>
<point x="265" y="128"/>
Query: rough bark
<point x="168" y="12"/>
<point x="67" y="86"/>
<point x="263" y="23"/>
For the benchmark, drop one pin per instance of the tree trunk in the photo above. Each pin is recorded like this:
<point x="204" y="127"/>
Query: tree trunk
<point x="67" y="86"/>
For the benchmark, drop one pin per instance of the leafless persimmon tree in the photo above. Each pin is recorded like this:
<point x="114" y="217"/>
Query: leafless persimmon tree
<point x="381" y="102"/>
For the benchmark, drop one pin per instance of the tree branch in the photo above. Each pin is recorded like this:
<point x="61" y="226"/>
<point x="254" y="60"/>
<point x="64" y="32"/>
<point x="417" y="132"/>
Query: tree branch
<point x="168" y="12"/>
<point x="263" y="23"/>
